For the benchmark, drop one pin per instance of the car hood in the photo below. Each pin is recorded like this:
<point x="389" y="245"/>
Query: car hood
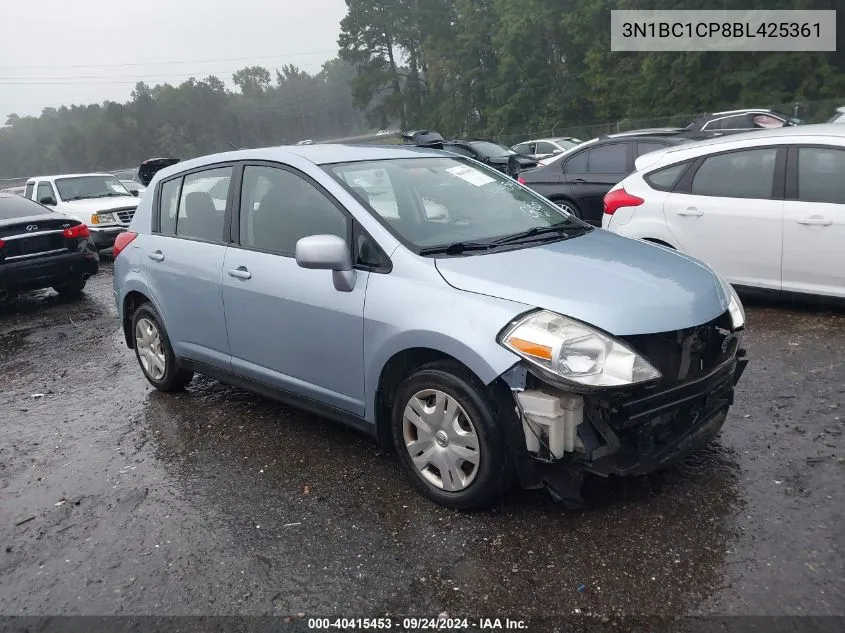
<point x="620" y="285"/>
<point x="95" y="205"/>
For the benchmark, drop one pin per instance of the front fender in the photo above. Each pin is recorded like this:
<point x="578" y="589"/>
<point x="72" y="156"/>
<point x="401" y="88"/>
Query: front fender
<point x="404" y="313"/>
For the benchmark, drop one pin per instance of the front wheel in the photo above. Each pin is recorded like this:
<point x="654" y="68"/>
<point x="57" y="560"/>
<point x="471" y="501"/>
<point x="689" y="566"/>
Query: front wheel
<point x="154" y="352"/>
<point x="448" y="438"/>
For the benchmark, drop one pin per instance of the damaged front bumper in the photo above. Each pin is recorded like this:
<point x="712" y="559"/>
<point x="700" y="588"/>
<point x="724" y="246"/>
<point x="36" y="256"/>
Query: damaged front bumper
<point x="618" y="432"/>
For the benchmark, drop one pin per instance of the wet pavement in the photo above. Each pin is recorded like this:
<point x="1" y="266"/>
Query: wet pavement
<point x="115" y="499"/>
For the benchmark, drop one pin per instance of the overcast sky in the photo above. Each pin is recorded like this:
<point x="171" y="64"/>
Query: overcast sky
<point x="87" y="51"/>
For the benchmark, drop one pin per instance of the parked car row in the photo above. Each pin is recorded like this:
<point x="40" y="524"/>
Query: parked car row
<point x="766" y="209"/>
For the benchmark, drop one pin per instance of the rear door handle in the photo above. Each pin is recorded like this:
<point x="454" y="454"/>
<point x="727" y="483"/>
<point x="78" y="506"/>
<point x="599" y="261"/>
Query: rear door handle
<point x="157" y="256"/>
<point x="578" y="180"/>
<point x="815" y="221"/>
<point x="691" y="211"/>
<point x="240" y="272"/>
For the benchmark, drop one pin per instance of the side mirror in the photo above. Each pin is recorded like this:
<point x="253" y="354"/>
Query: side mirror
<point x="134" y="192"/>
<point x="556" y="151"/>
<point x="47" y="200"/>
<point x="328" y="252"/>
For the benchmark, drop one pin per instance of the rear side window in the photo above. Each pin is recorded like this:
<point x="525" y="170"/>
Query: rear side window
<point x="609" y="159"/>
<point x="13" y="207"/>
<point x="736" y="122"/>
<point x="169" y="206"/>
<point x="645" y="148"/>
<point x="459" y="149"/>
<point x="665" y="179"/>
<point x="821" y="174"/>
<point x="202" y="204"/>
<point x="28" y="191"/>
<point x="577" y="164"/>
<point x="745" y="174"/>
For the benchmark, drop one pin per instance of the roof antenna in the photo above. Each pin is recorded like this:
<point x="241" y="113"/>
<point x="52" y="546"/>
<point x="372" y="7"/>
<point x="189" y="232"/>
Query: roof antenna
<point x="234" y="146"/>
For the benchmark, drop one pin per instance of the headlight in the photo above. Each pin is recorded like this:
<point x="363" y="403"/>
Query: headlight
<point x="570" y="351"/>
<point x="103" y="218"/>
<point x="735" y="308"/>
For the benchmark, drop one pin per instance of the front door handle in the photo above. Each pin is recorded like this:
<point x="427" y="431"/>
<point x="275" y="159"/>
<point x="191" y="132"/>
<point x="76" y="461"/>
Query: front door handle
<point x="691" y="211"/>
<point x="240" y="272"/>
<point x="578" y="180"/>
<point x="815" y="220"/>
<point x="156" y="256"/>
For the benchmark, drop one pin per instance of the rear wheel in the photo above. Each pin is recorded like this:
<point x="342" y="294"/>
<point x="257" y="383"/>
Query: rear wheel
<point x="569" y="207"/>
<point x="154" y="352"/>
<point x="448" y="438"/>
<point x="71" y="288"/>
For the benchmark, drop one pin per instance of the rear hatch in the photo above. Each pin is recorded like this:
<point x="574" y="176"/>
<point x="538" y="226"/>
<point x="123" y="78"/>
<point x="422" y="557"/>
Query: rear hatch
<point x="151" y="167"/>
<point x="34" y="235"/>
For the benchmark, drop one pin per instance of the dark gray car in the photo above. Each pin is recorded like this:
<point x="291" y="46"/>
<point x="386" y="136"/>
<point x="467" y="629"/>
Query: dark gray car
<point x="578" y="180"/>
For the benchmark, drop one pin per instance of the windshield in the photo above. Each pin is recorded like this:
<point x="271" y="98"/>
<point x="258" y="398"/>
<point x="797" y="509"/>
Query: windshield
<point x="491" y="150"/>
<point x="82" y="187"/>
<point x="433" y="202"/>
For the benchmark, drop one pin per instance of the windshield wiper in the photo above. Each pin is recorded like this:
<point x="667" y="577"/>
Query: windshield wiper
<point x="455" y="248"/>
<point x="108" y="195"/>
<point x="538" y="231"/>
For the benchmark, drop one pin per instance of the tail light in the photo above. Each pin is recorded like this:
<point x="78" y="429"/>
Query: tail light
<point x="620" y="198"/>
<point x="521" y="180"/>
<point x="2" y="243"/>
<point x="122" y="241"/>
<point x="75" y="232"/>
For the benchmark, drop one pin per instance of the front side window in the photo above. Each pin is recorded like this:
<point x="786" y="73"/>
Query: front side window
<point x="278" y="208"/>
<point x="440" y="201"/>
<point x="45" y="190"/>
<point x="202" y="204"/>
<point x="545" y="148"/>
<point x="745" y="174"/>
<point x="645" y="148"/>
<point x="459" y="149"/>
<point x="821" y="174"/>
<point x="609" y="159"/>
<point x="86" y="187"/>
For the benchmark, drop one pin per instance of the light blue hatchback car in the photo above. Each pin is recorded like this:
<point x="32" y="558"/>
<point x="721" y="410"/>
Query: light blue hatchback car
<point x="435" y="304"/>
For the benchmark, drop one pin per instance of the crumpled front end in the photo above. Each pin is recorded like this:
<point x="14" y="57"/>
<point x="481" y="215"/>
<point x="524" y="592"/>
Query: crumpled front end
<point x="629" y="430"/>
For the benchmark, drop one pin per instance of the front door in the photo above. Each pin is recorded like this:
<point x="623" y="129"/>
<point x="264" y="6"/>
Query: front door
<point x="288" y="326"/>
<point x="814" y="221"/>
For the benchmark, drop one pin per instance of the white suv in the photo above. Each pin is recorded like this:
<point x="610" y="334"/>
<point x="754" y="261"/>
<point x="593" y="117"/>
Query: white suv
<point x="765" y="209"/>
<point x="98" y="200"/>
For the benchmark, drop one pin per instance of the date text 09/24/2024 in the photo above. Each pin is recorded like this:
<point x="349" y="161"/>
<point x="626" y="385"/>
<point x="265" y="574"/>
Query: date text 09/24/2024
<point x="417" y="623"/>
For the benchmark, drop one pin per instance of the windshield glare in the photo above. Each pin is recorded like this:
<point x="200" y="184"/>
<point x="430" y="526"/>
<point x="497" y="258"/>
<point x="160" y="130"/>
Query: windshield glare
<point x="440" y="201"/>
<point x="80" y="187"/>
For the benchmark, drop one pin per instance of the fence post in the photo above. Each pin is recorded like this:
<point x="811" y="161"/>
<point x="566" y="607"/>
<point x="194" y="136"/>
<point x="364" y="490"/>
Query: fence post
<point x="554" y="127"/>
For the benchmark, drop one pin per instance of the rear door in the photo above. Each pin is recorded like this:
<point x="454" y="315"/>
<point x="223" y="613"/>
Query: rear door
<point x="592" y="173"/>
<point x="728" y="211"/>
<point x="814" y="221"/>
<point x="184" y="261"/>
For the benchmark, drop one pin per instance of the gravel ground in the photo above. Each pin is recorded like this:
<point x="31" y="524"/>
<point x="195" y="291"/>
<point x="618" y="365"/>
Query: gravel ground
<point x="120" y="500"/>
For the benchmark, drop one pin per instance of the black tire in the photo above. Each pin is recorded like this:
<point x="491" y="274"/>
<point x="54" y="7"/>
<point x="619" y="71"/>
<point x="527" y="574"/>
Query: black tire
<point x="71" y="288"/>
<point x="495" y="472"/>
<point x="175" y="378"/>
<point x="563" y="202"/>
